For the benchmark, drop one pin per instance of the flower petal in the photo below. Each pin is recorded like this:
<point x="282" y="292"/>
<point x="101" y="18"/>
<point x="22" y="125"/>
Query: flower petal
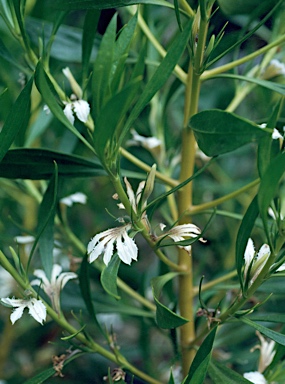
<point x="81" y="109"/>
<point x="108" y="252"/>
<point x="17" y="314"/>
<point x="69" y="112"/>
<point x="255" y="377"/>
<point x="37" y="310"/>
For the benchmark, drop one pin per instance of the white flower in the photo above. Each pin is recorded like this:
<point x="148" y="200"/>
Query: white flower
<point x="275" y="68"/>
<point x="79" y="108"/>
<point x="104" y="243"/>
<point x="267" y="352"/>
<point x="182" y="232"/>
<point x="255" y="377"/>
<point x="254" y="263"/>
<point x="36" y="308"/>
<point x="151" y="144"/>
<point x="77" y="197"/>
<point x="52" y="288"/>
<point x="7" y="283"/>
<point x="275" y="133"/>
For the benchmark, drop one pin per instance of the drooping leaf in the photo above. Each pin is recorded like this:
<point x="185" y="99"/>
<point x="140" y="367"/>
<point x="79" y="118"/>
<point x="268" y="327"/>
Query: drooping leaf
<point x="52" y="100"/>
<point x="279" y="88"/>
<point x="160" y="76"/>
<point x="220" y="373"/>
<point x="165" y="318"/>
<point x="109" y="277"/>
<point x="268" y="188"/>
<point x="243" y="235"/>
<point x="38" y="164"/>
<point x="218" y="132"/>
<point x="268" y="317"/>
<point x="199" y="367"/>
<point x="17" y="119"/>
<point x="273" y="335"/>
<point x="104" y="4"/>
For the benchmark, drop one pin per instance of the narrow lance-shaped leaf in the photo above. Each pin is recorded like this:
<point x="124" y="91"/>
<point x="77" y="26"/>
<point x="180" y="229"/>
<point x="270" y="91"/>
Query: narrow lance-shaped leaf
<point x="89" y="32"/>
<point x="279" y="88"/>
<point x="105" y="4"/>
<point x="164" y="316"/>
<point x="243" y="235"/>
<point x="220" y="373"/>
<point x="46" y="217"/>
<point x="160" y="76"/>
<point x="102" y="69"/>
<point x="219" y="132"/>
<point x="267" y="147"/>
<point x="38" y="164"/>
<point x="45" y="236"/>
<point x="273" y="335"/>
<point x="199" y="367"/>
<point x="268" y="188"/>
<point x="17" y="119"/>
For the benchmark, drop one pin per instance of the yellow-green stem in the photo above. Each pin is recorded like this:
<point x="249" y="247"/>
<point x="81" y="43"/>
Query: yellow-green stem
<point x="211" y="204"/>
<point x="186" y="291"/>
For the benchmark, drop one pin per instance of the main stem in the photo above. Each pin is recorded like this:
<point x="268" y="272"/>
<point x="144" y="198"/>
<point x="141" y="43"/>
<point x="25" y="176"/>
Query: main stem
<point x="186" y="288"/>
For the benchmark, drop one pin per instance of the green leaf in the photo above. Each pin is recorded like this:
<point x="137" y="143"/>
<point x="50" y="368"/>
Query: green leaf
<point x="267" y="147"/>
<point x="268" y="189"/>
<point x="160" y="76"/>
<point x="102" y="69"/>
<point x="273" y="335"/>
<point x="70" y="337"/>
<point x="84" y="282"/>
<point x="219" y="132"/>
<point x="220" y="373"/>
<point x="243" y="235"/>
<point x="109" y="277"/>
<point x="199" y="367"/>
<point x="279" y="88"/>
<point x="38" y="164"/>
<point x="41" y="377"/>
<point x="17" y="119"/>
<point x="51" y="98"/>
<point x="268" y="317"/>
<point x="165" y="318"/>
<point x="46" y="224"/>
<point x="107" y="122"/>
<point x="89" y="32"/>
<point x="171" y="379"/>
<point x="104" y="4"/>
<point x="121" y="51"/>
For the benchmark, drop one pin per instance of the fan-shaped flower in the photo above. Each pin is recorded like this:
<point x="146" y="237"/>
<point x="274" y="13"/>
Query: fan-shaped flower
<point x="104" y="242"/>
<point x="36" y="308"/>
<point x="53" y="287"/>
<point x="182" y="232"/>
